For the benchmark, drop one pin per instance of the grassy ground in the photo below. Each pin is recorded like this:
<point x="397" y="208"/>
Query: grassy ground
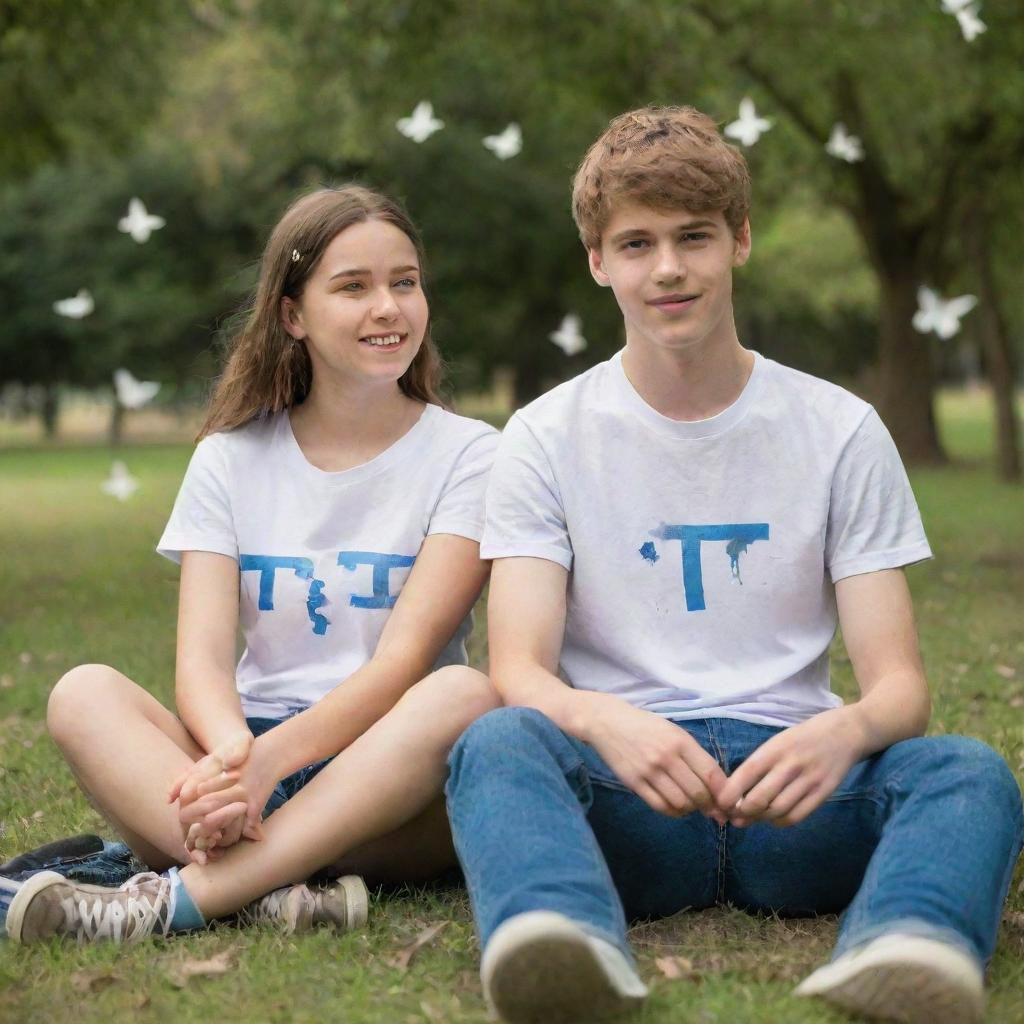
<point x="80" y="583"/>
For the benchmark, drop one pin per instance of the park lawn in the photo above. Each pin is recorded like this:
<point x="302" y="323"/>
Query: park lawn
<point x="80" y="582"/>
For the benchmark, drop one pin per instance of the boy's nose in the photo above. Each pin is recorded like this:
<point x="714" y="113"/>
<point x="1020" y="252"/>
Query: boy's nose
<point x="670" y="266"/>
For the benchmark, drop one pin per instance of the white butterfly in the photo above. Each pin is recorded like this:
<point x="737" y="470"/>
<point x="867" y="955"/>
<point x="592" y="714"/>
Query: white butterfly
<point x="77" y="306"/>
<point x="952" y="6"/>
<point x="844" y="146"/>
<point x="421" y="125"/>
<point x="970" y="24"/>
<point x="139" y="223"/>
<point x="120" y="484"/>
<point x="132" y="393"/>
<point x="506" y="145"/>
<point x="941" y="315"/>
<point x="749" y="128"/>
<point x="568" y="337"/>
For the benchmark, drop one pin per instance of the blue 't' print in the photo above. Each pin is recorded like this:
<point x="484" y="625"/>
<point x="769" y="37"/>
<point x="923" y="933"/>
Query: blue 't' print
<point x="739" y="536"/>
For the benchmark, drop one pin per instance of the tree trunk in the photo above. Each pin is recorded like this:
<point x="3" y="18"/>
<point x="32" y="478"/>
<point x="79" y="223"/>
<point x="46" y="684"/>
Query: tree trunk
<point x="995" y="342"/>
<point x="906" y="389"/>
<point x="50" y="410"/>
<point x="116" y="429"/>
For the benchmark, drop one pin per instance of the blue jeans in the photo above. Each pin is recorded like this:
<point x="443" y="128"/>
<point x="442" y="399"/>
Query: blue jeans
<point x="116" y="863"/>
<point x="921" y="838"/>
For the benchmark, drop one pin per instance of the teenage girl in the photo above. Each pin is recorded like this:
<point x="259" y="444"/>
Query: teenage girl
<point x="332" y="510"/>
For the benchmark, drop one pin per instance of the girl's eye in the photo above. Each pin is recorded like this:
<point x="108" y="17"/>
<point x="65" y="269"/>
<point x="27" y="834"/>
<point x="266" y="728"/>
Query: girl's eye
<point x="352" y="286"/>
<point x="406" y="282"/>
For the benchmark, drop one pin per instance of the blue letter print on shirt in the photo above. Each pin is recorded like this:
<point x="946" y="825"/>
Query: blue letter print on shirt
<point x="267" y="565"/>
<point x="738" y="534"/>
<point x="382" y="566"/>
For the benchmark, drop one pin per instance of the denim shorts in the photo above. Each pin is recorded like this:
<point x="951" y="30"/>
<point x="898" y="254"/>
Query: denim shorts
<point x="289" y="786"/>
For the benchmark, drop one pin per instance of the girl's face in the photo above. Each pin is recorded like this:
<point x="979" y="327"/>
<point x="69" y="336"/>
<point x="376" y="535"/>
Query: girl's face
<point x="362" y="314"/>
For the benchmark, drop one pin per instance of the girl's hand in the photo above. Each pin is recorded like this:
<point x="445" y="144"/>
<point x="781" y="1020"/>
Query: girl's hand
<point x="226" y="756"/>
<point x="794" y="773"/>
<point x="229" y="806"/>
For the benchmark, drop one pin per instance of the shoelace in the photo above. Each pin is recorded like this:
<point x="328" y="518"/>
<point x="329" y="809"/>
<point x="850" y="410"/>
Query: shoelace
<point x="125" y="915"/>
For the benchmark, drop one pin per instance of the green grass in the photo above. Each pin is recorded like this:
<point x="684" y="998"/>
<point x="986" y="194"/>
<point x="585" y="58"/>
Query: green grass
<point x="80" y="582"/>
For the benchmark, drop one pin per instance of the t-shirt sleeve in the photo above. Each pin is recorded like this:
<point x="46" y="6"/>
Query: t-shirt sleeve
<point x="873" y="520"/>
<point x="524" y="513"/>
<point x="201" y="519"/>
<point x="460" y="508"/>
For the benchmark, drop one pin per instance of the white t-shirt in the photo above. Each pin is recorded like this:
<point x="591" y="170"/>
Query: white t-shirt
<point x="702" y="555"/>
<point x="323" y="556"/>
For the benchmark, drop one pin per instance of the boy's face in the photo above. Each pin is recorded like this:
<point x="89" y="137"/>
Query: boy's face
<point x="671" y="273"/>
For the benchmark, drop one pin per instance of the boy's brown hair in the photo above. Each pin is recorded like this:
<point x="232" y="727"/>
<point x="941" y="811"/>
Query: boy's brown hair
<point x="664" y="157"/>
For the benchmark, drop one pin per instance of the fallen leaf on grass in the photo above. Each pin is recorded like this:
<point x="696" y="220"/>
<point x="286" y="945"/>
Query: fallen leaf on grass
<point x="88" y="982"/>
<point x="431" y="1012"/>
<point x="37" y="815"/>
<point x="402" y="960"/>
<point x="25" y="658"/>
<point x="675" y="967"/>
<point x="6" y="682"/>
<point x="1006" y="671"/>
<point x="181" y="974"/>
<point x="1017" y="702"/>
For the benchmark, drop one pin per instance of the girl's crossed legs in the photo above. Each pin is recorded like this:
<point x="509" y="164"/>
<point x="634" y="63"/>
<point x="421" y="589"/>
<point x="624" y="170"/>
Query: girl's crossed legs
<point x="375" y="808"/>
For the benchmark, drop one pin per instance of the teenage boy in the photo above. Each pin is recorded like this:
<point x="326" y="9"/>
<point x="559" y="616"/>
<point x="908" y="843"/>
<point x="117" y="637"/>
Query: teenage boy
<point x="675" y="534"/>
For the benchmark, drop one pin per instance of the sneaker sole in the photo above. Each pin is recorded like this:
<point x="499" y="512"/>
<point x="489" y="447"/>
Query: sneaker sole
<point x="357" y="900"/>
<point x="543" y="971"/>
<point x="928" y="988"/>
<point x="23" y="897"/>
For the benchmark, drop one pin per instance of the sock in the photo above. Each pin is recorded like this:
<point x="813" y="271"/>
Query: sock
<point x="185" y="915"/>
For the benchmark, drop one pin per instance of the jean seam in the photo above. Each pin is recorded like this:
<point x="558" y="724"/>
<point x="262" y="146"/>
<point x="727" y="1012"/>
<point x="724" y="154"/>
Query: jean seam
<point x="720" y="844"/>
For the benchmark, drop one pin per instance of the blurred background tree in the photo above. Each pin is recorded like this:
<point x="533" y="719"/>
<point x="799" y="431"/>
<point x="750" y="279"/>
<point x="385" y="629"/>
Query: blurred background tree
<point x="216" y="112"/>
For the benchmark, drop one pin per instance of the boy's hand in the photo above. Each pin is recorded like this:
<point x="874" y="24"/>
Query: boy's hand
<point x="792" y="775"/>
<point x="665" y="766"/>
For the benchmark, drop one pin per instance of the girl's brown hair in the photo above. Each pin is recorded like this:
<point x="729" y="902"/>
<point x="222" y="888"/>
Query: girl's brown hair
<point x="267" y="369"/>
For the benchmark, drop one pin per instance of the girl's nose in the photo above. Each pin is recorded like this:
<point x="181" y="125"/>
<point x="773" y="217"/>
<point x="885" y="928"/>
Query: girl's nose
<point x="384" y="305"/>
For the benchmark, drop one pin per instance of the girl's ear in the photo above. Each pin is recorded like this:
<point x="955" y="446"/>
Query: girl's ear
<point x="291" y="318"/>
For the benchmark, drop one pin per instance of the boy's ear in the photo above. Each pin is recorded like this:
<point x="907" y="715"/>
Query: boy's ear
<point x="291" y="318"/>
<point x="741" y="244"/>
<point x="596" y="264"/>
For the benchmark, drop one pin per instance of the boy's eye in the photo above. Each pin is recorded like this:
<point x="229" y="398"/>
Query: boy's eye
<point x="635" y="243"/>
<point x="695" y="236"/>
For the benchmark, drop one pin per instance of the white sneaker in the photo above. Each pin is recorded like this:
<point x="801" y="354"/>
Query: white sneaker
<point x="342" y="905"/>
<point x="903" y="977"/>
<point x="49" y="905"/>
<point x="541" y="968"/>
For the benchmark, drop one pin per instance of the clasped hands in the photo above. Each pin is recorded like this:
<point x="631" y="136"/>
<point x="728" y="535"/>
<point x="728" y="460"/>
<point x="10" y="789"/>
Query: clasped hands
<point x="782" y="782"/>
<point x="221" y="797"/>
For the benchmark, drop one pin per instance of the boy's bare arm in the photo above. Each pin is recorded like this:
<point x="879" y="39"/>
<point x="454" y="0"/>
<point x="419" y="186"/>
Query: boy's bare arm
<point x="792" y="774"/>
<point x="660" y="762"/>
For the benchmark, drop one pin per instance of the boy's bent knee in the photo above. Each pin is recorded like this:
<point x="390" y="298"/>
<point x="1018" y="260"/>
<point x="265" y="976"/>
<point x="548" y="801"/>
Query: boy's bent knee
<point x="973" y="767"/>
<point x="505" y="729"/>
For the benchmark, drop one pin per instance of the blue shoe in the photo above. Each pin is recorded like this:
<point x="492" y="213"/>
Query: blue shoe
<point x="71" y="848"/>
<point x="83" y="858"/>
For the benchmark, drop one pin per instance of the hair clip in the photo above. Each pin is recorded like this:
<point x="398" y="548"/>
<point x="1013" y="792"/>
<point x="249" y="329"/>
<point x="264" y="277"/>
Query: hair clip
<point x="296" y="255"/>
